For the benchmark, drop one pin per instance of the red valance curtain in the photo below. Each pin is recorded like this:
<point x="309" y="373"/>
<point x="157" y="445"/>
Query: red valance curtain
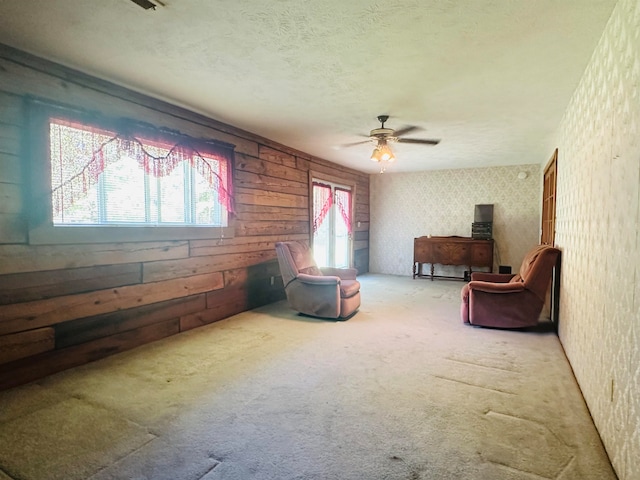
<point x="322" y="201"/>
<point x="80" y="153"/>
<point x="343" y="202"/>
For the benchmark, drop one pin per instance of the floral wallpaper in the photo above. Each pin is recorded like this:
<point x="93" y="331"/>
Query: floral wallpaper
<point x="598" y="228"/>
<point x="442" y="202"/>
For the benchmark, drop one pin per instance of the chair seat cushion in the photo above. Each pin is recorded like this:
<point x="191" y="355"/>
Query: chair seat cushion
<point x="348" y="288"/>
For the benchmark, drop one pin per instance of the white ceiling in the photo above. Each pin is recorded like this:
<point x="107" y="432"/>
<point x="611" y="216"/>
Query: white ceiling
<point x="489" y="78"/>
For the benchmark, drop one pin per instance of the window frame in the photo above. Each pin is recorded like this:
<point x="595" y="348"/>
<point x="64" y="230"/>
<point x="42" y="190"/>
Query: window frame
<point x="42" y="231"/>
<point x="333" y="181"/>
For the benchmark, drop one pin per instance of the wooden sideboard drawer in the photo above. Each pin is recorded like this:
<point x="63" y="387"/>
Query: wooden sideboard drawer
<point x="454" y="253"/>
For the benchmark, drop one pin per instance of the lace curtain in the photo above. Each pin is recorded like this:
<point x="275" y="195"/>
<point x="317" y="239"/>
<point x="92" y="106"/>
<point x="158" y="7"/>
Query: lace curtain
<point x="322" y="201"/>
<point x="80" y="153"/>
<point x="343" y="202"/>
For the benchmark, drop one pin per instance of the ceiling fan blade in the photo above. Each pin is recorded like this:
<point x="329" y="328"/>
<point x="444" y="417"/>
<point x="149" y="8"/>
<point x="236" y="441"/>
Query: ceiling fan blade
<point x="405" y="130"/>
<point x="422" y="141"/>
<point x="353" y="144"/>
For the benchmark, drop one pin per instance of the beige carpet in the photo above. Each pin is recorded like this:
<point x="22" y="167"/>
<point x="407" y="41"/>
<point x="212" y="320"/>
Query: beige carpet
<point x="403" y="390"/>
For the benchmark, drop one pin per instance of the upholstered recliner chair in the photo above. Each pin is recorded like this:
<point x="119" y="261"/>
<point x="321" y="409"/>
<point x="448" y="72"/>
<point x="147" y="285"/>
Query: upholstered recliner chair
<point x="510" y="301"/>
<point x="326" y="292"/>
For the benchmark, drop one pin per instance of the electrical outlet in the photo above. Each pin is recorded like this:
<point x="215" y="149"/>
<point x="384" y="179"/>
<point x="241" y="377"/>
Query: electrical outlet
<point x="272" y="280"/>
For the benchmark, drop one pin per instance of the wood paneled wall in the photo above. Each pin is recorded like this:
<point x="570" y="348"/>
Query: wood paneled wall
<point x="65" y="305"/>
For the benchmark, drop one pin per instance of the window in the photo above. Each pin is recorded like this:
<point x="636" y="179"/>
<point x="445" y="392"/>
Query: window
<point x="332" y="219"/>
<point x="108" y="174"/>
<point x="100" y="178"/>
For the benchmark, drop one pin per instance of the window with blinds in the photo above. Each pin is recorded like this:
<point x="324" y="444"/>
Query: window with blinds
<point x="105" y="177"/>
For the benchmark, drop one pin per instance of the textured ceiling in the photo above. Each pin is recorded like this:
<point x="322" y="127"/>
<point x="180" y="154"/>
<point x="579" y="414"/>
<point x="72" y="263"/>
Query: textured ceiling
<point x="489" y="78"/>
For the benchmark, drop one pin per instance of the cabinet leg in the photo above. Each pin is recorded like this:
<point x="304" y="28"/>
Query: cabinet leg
<point x="432" y="272"/>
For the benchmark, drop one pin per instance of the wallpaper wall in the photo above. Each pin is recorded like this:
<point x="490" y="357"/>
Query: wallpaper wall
<point x="441" y="202"/>
<point x="598" y="225"/>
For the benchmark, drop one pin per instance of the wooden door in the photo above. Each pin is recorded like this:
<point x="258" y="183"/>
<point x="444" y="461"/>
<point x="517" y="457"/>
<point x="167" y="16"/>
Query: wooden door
<point x="548" y="231"/>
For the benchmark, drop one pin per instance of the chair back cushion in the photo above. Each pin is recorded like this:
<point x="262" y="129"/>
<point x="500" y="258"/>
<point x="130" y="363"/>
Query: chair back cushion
<point x="295" y="257"/>
<point x="303" y="258"/>
<point x="536" y="269"/>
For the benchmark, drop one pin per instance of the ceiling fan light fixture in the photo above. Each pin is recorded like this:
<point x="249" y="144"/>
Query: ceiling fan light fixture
<point x="386" y="155"/>
<point x="382" y="152"/>
<point x="383" y="155"/>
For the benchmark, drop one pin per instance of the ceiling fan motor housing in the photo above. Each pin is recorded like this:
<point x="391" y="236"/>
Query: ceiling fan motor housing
<point x="378" y="133"/>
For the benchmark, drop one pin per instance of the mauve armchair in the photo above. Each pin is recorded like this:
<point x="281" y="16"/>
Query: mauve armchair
<point x="319" y="292"/>
<point x="510" y="301"/>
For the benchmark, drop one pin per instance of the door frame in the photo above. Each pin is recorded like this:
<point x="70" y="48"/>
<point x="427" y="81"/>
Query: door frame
<point x="548" y="229"/>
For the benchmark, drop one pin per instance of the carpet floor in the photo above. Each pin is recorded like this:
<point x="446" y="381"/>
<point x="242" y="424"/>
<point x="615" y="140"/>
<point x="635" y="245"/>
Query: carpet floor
<point x="402" y="390"/>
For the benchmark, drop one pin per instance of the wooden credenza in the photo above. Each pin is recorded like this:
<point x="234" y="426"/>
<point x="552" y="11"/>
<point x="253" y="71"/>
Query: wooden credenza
<point x="465" y="251"/>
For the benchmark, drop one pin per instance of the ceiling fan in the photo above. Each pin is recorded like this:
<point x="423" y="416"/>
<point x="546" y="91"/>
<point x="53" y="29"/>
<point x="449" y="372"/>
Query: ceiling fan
<point x="382" y="137"/>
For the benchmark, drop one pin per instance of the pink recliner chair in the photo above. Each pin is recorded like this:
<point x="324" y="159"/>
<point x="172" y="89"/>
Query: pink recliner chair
<point x="326" y="292"/>
<point x="510" y="301"/>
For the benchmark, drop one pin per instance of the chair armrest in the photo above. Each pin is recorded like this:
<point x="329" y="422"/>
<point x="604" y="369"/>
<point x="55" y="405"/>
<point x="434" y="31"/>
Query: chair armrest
<point x="343" y="273"/>
<point x="492" y="277"/>
<point x="496" y="287"/>
<point x="318" y="279"/>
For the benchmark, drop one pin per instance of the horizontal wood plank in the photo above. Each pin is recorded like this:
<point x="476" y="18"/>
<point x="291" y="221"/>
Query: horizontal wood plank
<point x="27" y="258"/>
<point x="276" y="156"/>
<point x="167" y="269"/>
<point x="276" y="214"/>
<point x="242" y="244"/>
<point x="25" y="287"/>
<point x="361" y="261"/>
<point x="359" y="235"/>
<point x="323" y="166"/>
<point x="26" y="316"/>
<point x="239" y="277"/>
<point x="10" y="169"/>
<point x="245" y="163"/>
<point x="87" y="329"/>
<point x="284" y="215"/>
<point x="233" y="246"/>
<point x="220" y="305"/>
<point x="269" y="228"/>
<point x="261" y="292"/>
<point x="230" y="261"/>
<point x="11" y="109"/>
<point x="10" y="198"/>
<point x="13" y="229"/>
<point x="361" y="244"/>
<point x="266" y="182"/>
<point x="26" y="344"/>
<point x="10" y="136"/>
<point x="264" y="197"/>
